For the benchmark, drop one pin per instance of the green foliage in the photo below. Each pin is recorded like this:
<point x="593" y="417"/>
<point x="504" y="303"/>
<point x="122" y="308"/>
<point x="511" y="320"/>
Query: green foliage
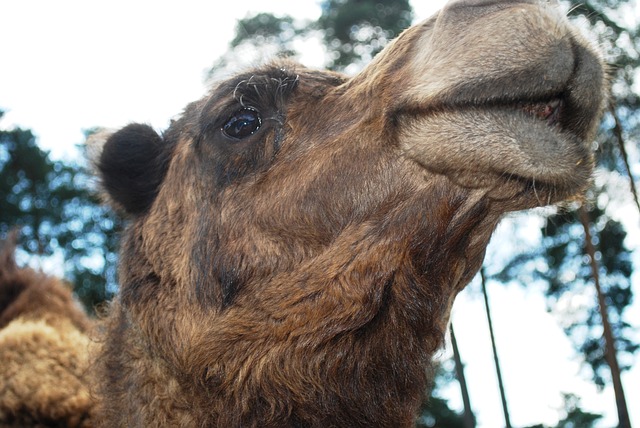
<point x="621" y="46"/>
<point x="264" y="28"/>
<point x="52" y="204"/>
<point x="560" y="262"/>
<point x="257" y="37"/>
<point x="563" y="267"/>
<point x="574" y="416"/>
<point x="436" y="413"/>
<point x="356" y="30"/>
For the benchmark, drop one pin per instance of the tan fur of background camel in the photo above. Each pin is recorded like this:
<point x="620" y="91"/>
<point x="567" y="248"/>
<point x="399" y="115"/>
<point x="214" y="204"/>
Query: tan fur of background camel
<point x="44" y="350"/>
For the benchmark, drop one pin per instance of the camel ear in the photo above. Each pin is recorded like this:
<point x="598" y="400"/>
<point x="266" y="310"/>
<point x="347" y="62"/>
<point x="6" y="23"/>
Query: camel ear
<point x="132" y="163"/>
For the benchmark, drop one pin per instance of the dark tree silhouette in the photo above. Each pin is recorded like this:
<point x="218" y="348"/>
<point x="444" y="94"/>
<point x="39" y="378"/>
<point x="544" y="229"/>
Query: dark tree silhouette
<point x="56" y="211"/>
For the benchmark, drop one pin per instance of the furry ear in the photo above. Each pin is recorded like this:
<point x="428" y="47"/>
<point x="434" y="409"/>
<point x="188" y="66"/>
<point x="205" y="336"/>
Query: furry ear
<point x="132" y="164"/>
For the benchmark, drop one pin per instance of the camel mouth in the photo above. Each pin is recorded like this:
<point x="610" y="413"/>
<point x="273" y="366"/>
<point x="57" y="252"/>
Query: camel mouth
<point x="547" y="111"/>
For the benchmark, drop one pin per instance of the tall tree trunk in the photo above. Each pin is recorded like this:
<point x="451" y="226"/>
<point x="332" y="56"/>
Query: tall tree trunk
<point x="468" y="418"/>
<point x="505" y="409"/>
<point x="617" y="131"/>
<point x="609" y="341"/>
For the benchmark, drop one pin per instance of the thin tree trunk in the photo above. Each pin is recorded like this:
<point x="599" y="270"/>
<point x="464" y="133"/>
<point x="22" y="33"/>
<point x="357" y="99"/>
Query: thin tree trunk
<point x="609" y="341"/>
<point x="505" y="409"/>
<point x="468" y="418"/>
<point x="617" y="131"/>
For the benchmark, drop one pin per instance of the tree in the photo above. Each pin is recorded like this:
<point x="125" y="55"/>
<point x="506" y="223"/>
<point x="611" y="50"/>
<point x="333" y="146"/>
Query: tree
<point x="275" y="35"/>
<point x="353" y="31"/>
<point x="437" y="414"/>
<point x="574" y="416"/>
<point x="435" y="411"/>
<point x="356" y="30"/>
<point x="468" y="417"/>
<point x="583" y="248"/>
<point x="496" y="360"/>
<point x="560" y="264"/>
<point x="57" y="212"/>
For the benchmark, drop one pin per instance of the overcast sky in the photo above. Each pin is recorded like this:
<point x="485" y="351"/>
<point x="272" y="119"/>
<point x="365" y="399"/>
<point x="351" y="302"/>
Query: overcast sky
<point x="73" y="65"/>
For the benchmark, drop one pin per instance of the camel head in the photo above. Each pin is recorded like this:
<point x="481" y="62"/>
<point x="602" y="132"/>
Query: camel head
<point x="296" y="237"/>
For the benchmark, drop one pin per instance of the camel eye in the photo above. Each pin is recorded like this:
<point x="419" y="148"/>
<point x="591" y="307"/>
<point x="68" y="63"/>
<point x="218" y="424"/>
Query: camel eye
<point x="243" y="123"/>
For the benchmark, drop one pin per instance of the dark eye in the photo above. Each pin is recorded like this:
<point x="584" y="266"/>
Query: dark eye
<point x="242" y="123"/>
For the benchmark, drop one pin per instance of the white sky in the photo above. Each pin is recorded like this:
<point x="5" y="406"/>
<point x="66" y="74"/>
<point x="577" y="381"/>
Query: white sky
<point x="72" y="65"/>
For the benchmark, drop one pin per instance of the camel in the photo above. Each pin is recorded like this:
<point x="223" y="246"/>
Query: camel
<point x="44" y="347"/>
<point x="297" y="237"/>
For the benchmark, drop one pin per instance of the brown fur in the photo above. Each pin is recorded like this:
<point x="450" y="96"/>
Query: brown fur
<point x="43" y="349"/>
<point x="302" y="275"/>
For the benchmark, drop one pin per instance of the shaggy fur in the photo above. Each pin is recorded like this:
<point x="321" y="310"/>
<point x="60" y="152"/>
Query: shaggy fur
<point x="297" y="238"/>
<point x="43" y="350"/>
